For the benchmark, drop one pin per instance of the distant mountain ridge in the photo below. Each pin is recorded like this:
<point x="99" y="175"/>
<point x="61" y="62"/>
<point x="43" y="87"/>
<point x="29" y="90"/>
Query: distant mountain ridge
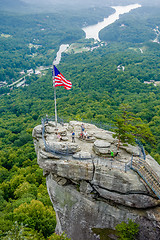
<point x="91" y="3"/>
<point x="56" y="5"/>
<point x="11" y="5"/>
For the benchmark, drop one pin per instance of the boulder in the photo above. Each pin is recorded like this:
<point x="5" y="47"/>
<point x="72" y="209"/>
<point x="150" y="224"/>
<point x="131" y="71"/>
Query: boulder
<point x="104" y="136"/>
<point x="118" y="181"/>
<point x="131" y="200"/>
<point x="47" y="155"/>
<point x="61" y="181"/>
<point x="101" y="147"/>
<point x="49" y="129"/>
<point x="63" y="147"/>
<point x="90" y="139"/>
<point x="64" y="138"/>
<point x="62" y="131"/>
<point x="51" y="123"/>
<point x="101" y="144"/>
<point x="37" y="132"/>
<point x="74" y="171"/>
<point x="133" y="150"/>
<point x="85" y="187"/>
<point x="82" y="155"/>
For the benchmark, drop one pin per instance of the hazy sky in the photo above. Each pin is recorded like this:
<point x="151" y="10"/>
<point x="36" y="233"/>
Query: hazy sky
<point x="65" y="5"/>
<point x="80" y="2"/>
<point x="93" y="2"/>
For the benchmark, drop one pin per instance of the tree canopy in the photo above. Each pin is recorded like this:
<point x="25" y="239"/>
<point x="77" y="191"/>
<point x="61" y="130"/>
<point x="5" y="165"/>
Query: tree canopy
<point x="111" y="74"/>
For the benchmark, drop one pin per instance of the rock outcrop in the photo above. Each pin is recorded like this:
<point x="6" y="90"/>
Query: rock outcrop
<point x="88" y="189"/>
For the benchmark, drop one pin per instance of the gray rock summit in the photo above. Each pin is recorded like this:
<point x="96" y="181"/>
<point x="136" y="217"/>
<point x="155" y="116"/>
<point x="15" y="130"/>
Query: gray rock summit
<point x="89" y="189"/>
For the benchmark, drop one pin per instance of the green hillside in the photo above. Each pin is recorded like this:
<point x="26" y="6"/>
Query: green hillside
<point x="136" y="27"/>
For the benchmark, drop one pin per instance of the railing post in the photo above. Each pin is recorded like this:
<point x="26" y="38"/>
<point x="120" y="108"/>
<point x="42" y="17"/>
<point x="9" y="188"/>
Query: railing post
<point x="125" y="167"/>
<point x="111" y="163"/>
<point x="67" y="152"/>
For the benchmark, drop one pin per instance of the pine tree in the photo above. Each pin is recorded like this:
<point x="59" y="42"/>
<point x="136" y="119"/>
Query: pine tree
<point x="128" y="127"/>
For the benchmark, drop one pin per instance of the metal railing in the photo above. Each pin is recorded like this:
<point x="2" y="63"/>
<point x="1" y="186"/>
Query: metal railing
<point x="61" y="121"/>
<point x="140" y="166"/>
<point x="142" y="153"/>
<point x="108" y="161"/>
<point x="147" y="174"/>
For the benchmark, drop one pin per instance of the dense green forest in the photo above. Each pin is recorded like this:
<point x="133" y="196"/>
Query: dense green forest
<point x="44" y="33"/>
<point x="99" y="88"/>
<point x="138" y="28"/>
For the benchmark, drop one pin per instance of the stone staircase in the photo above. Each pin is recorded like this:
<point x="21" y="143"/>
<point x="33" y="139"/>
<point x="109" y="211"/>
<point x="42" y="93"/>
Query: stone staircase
<point x="147" y="174"/>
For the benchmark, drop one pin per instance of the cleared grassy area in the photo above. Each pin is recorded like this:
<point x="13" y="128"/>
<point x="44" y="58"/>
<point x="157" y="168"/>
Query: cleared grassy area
<point x="77" y="48"/>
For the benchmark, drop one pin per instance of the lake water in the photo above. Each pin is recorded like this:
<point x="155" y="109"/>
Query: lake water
<point x="93" y="31"/>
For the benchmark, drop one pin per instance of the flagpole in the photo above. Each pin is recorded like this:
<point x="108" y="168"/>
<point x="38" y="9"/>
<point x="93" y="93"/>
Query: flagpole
<point x="55" y="106"/>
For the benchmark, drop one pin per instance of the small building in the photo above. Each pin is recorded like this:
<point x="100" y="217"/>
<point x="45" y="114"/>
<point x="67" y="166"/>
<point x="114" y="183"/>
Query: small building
<point x="22" y="72"/>
<point x="30" y="71"/>
<point x="120" y="67"/>
<point x="37" y="72"/>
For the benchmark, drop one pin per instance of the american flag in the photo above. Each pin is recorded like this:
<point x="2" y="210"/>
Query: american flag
<point x="59" y="80"/>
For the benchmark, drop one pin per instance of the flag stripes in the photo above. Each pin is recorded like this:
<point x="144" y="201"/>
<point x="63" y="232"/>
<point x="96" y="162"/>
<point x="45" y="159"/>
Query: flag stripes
<point x="60" y="80"/>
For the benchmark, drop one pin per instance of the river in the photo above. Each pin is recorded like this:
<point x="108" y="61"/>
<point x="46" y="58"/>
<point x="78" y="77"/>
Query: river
<point x="62" y="49"/>
<point x="93" y="30"/>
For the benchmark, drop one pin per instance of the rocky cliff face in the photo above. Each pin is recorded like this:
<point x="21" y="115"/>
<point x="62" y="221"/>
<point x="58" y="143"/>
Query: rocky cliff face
<point x="88" y="189"/>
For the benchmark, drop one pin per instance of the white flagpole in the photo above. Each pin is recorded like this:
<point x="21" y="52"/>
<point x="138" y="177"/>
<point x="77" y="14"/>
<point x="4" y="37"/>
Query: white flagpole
<point x="55" y="106"/>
